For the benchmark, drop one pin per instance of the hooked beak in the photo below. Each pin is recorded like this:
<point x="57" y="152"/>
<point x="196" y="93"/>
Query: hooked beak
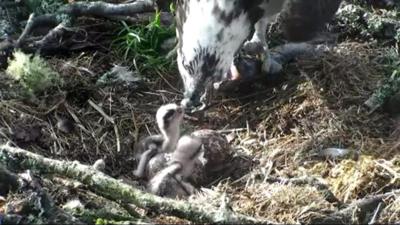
<point x="195" y="101"/>
<point x="189" y="107"/>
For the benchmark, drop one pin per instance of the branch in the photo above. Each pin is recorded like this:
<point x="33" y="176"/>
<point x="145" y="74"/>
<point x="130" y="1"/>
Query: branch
<point x="90" y="215"/>
<point x="360" y="211"/>
<point x="103" y="9"/>
<point x="37" y="21"/>
<point x="113" y="189"/>
<point x="166" y="18"/>
<point x="63" y="18"/>
<point x="35" y="202"/>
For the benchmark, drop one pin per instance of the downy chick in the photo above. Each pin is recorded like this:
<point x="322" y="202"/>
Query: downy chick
<point x="153" y="150"/>
<point x="172" y="181"/>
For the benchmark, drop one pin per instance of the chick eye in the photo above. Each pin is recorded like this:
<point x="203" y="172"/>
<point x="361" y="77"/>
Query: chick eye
<point x="169" y="114"/>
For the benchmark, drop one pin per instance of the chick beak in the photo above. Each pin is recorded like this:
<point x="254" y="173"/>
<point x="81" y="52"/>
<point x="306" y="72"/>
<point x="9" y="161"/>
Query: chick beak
<point x="180" y="109"/>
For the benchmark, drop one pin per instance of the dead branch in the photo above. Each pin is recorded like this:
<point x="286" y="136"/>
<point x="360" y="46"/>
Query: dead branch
<point x="34" y="22"/>
<point x="104" y="208"/>
<point x="360" y="211"/>
<point x="166" y="18"/>
<point x="103" y="9"/>
<point x="113" y="189"/>
<point x="32" y="200"/>
<point x="91" y="215"/>
<point x="64" y="17"/>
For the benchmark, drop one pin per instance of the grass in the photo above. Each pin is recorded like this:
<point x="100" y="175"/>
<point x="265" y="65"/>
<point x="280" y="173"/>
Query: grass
<point x="142" y="44"/>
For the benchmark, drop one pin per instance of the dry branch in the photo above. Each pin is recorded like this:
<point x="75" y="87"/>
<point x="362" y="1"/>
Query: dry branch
<point x="35" y="22"/>
<point x="360" y="211"/>
<point x="113" y="189"/>
<point x="64" y="17"/>
<point x="91" y="215"/>
<point x="35" y="201"/>
<point x="103" y="9"/>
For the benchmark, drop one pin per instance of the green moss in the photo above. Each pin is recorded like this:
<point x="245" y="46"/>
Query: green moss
<point x="359" y="21"/>
<point x="32" y="72"/>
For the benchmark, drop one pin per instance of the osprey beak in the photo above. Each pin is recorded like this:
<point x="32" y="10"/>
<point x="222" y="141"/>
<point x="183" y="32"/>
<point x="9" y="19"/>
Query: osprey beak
<point x="186" y="105"/>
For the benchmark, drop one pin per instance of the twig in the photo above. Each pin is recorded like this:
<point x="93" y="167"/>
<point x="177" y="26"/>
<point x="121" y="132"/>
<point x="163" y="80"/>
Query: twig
<point x="28" y="29"/>
<point x="111" y="188"/>
<point x="55" y="106"/>
<point x="118" y="139"/>
<point x="101" y="111"/>
<point x="395" y="174"/>
<point x="57" y="31"/>
<point x="232" y="130"/>
<point x="166" y="18"/>
<point x="376" y="213"/>
<point x="37" y="21"/>
<point x="109" y="119"/>
<point x="75" y="117"/>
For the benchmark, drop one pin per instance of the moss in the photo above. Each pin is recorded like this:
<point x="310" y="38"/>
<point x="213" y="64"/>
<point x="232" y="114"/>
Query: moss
<point x="43" y="7"/>
<point x="32" y="72"/>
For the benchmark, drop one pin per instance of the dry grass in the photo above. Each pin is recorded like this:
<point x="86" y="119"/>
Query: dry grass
<point x="281" y="203"/>
<point x="391" y="214"/>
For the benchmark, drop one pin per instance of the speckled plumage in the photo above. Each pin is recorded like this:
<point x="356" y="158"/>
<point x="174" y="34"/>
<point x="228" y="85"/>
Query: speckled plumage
<point x="210" y="33"/>
<point x="216" y="148"/>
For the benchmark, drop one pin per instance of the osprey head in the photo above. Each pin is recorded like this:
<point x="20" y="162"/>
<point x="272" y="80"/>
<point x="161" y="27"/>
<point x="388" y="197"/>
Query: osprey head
<point x="210" y="32"/>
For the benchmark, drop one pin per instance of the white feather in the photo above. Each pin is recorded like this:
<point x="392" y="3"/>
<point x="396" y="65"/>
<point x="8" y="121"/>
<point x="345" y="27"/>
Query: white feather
<point x="200" y="31"/>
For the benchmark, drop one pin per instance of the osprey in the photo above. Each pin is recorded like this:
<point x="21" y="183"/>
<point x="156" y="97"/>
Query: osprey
<point x="211" y="32"/>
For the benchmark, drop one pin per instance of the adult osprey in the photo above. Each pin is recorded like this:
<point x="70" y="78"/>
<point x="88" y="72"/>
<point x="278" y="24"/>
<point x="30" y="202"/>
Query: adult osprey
<point x="210" y="33"/>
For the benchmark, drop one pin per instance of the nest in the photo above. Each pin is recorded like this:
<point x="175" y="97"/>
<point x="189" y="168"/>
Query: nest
<point x="391" y="213"/>
<point x="355" y="179"/>
<point x="317" y="105"/>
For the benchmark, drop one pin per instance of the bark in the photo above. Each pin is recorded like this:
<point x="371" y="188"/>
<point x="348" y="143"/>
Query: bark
<point x="33" y="204"/>
<point x="103" y="9"/>
<point x="360" y="211"/>
<point x="64" y="18"/>
<point x="90" y="215"/>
